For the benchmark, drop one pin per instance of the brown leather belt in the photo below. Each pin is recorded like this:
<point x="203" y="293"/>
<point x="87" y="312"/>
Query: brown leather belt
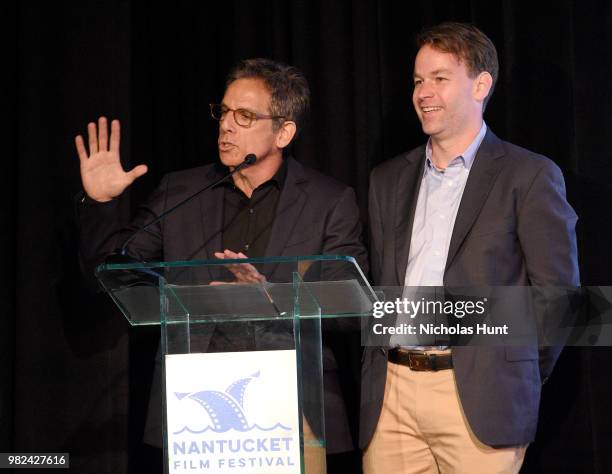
<point x="421" y="361"/>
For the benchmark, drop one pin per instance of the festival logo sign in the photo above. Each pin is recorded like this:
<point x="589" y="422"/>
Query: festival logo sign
<point x="232" y="412"/>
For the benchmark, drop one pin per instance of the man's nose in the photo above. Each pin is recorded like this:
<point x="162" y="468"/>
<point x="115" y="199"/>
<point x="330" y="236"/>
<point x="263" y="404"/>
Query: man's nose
<point x="425" y="90"/>
<point x="227" y="123"/>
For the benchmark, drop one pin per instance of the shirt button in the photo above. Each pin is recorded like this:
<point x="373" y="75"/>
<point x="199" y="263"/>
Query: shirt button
<point x="436" y="253"/>
<point x="442" y="216"/>
<point x="246" y="247"/>
<point x="251" y="211"/>
<point x="450" y="184"/>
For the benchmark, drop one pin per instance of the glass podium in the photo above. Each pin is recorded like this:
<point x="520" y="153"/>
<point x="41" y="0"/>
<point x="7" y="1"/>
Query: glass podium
<point x="242" y="353"/>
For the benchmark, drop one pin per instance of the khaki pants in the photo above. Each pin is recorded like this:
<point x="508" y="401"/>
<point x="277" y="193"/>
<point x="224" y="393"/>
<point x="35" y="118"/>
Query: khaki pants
<point x="314" y="454"/>
<point x="422" y="429"/>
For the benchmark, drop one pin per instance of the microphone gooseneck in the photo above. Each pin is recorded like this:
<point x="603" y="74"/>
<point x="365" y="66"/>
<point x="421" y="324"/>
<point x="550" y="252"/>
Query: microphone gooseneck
<point x="248" y="160"/>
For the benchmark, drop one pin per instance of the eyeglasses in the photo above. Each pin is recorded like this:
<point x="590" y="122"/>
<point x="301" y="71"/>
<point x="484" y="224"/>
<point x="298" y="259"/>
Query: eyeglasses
<point x="242" y="117"/>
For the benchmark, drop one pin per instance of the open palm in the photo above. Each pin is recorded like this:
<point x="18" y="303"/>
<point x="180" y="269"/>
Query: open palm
<point x="102" y="174"/>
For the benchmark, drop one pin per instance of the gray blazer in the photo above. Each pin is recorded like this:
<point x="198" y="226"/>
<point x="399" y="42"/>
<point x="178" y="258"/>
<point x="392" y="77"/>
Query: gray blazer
<point x="513" y="227"/>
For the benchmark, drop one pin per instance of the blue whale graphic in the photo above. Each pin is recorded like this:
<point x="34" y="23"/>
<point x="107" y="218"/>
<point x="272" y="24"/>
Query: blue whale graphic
<point x="225" y="409"/>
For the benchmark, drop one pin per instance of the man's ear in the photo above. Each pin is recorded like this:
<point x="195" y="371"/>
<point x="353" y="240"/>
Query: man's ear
<point x="482" y="86"/>
<point x="285" y="134"/>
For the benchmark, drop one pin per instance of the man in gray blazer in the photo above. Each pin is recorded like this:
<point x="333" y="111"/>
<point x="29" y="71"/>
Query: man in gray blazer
<point x="275" y="207"/>
<point x="466" y="209"/>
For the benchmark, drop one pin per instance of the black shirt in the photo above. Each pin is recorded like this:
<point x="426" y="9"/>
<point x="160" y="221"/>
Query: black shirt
<point x="247" y="226"/>
<point x="247" y="223"/>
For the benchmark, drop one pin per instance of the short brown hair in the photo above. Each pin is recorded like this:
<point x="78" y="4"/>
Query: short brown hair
<point x="468" y="44"/>
<point x="289" y="91"/>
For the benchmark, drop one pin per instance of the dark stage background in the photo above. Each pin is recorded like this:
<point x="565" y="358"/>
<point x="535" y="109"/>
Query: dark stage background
<point x="73" y="376"/>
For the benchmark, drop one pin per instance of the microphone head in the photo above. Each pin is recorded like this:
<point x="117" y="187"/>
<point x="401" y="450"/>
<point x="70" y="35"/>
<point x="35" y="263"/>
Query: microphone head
<point x="250" y="159"/>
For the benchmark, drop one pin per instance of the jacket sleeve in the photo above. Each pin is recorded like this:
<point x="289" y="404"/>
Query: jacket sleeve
<point x="547" y="234"/>
<point x="344" y="230"/>
<point x="102" y="229"/>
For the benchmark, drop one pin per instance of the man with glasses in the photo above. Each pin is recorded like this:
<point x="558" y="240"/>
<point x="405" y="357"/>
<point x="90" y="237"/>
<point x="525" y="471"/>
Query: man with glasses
<point x="275" y="207"/>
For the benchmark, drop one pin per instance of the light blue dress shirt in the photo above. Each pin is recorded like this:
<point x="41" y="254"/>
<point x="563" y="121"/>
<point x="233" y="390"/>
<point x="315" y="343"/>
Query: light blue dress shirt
<point x="437" y="205"/>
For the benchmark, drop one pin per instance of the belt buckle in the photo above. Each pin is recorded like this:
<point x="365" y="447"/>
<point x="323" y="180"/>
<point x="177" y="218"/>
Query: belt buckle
<point x="428" y="363"/>
<point x="415" y="363"/>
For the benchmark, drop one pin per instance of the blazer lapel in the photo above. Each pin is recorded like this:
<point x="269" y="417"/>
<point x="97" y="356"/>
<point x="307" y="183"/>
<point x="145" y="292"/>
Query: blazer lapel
<point x="482" y="176"/>
<point x="408" y="186"/>
<point x="288" y="212"/>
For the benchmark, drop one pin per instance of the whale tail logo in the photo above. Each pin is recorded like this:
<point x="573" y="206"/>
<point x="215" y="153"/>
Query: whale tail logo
<point x="225" y="408"/>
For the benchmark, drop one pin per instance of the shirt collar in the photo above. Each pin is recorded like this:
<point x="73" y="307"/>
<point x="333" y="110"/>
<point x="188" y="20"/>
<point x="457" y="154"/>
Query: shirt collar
<point x="468" y="156"/>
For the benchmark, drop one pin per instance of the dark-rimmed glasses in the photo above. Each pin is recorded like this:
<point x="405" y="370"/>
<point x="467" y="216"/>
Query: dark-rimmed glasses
<point x="242" y="117"/>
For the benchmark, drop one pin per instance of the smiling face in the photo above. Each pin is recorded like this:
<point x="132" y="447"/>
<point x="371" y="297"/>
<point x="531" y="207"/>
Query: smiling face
<point x="235" y="141"/>
<point x="447" y="101"/>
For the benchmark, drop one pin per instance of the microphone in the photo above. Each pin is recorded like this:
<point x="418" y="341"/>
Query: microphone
<point x="122" y="257"/>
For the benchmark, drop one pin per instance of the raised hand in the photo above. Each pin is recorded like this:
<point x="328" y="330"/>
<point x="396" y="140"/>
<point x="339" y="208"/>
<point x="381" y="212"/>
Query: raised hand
<point x="102" y="175"/>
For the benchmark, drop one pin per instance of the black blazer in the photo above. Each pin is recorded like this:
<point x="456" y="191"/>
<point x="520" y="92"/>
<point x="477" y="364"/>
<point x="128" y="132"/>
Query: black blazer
<point x="315" y="215"/>
<point x="513" y="227"/>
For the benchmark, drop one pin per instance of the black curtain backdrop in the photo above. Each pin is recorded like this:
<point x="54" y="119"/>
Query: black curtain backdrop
<point x="73" y="376"/>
